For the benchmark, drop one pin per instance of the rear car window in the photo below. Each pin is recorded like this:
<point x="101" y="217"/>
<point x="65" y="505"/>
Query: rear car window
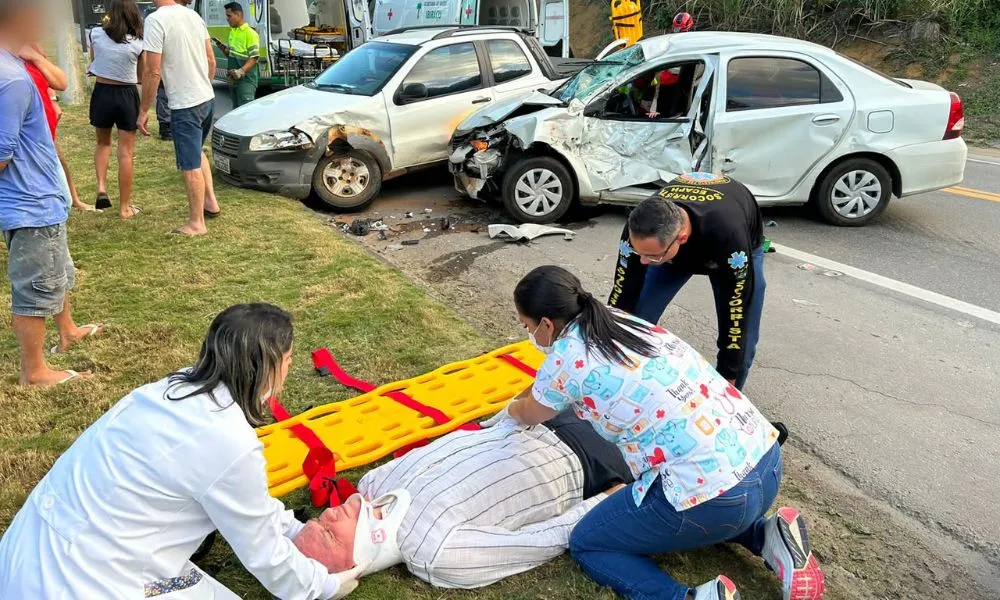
<point x="447" y="70"/>
<point x="507" y="61"/>
<point x="754" y="83"/>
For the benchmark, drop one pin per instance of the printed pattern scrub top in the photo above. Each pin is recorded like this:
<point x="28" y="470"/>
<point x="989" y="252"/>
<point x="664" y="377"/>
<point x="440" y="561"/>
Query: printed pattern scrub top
<point x="672" y="416"/>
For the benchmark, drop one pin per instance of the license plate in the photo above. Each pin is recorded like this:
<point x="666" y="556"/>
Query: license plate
<point x="222" y="164"/>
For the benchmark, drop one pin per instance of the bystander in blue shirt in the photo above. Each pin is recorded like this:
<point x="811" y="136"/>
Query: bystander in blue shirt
<point x="31" y="188"/>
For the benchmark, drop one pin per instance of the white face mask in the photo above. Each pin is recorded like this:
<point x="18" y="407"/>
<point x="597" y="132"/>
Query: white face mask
<point x="543" y="349"/>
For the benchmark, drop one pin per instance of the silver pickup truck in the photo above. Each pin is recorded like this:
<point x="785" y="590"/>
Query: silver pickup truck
<point x="387" y="107"/>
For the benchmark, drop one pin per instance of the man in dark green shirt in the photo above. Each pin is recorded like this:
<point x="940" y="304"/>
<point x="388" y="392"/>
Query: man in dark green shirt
<point x="243" y="52"/>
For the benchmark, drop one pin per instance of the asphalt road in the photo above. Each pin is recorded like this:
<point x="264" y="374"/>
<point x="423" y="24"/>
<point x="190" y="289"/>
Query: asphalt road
<point x="896" y="394"/>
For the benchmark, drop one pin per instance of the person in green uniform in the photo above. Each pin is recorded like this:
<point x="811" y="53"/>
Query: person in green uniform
<point x="243" y="52"/>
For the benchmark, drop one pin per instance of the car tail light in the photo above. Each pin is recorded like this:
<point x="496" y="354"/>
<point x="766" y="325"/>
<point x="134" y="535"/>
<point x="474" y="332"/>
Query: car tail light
<point x="956" y="118"/>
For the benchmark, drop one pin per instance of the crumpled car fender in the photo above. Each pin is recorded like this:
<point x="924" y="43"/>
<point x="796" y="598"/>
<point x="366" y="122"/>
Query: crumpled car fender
<point x="362" y="130"/>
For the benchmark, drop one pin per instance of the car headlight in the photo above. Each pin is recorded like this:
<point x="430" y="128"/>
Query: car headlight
<point x="279" y="140"/>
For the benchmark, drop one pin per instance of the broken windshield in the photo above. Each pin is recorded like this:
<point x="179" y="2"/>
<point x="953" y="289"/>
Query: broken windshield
<point x="595" y="76"/>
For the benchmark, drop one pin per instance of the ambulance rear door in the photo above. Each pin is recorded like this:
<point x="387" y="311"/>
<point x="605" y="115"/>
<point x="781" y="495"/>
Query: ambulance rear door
<point x="359" y="24"/>
<point x="553" y="29"/>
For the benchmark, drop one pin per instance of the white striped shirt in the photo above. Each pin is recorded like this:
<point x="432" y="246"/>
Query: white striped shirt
<point x="486" y="504"/>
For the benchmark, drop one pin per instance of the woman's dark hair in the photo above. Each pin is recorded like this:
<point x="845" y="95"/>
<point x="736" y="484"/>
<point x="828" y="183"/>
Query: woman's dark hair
<point x="243" y="350"/>
<point x="124" y="20"/>
<point x="555" y="293"/>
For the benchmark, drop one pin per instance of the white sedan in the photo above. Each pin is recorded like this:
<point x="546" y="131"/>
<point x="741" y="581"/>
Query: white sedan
<point x="796" y="122"/>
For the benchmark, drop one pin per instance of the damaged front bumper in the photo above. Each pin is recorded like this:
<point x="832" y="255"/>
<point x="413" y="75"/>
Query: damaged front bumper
<point x="284" y="172"/>
<point x="478" y="161"/>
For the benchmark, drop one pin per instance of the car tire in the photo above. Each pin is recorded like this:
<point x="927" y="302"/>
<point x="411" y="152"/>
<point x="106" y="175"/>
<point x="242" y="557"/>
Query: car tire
<point x="538" y="189"/>
<point x="347" y="181"/>
<point x="854" y="193"/>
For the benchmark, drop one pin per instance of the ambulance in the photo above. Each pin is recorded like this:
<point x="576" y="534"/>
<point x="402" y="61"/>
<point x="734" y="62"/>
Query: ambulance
<point x="548" y="20"/>
<point x="299" y="39"/>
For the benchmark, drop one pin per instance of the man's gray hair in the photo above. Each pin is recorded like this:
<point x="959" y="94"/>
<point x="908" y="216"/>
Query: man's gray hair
<point x="656" y="217"/>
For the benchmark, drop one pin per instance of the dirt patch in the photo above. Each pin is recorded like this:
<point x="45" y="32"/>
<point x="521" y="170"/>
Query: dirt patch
<point x="914" y="70"/>
<point x="589" y="27"/>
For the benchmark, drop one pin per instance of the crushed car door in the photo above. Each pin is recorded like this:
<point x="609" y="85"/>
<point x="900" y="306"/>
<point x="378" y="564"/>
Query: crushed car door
<point x="622" y="145"/>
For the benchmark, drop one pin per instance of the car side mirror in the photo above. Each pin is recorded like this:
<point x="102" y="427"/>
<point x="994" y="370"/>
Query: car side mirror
<point x="412" y="92"/>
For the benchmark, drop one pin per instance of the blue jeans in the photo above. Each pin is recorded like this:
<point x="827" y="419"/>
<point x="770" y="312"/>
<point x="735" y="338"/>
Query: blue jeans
<point x="614" y="542"/>
<point x="663" y="282"/>
<point x="190" y="128"/>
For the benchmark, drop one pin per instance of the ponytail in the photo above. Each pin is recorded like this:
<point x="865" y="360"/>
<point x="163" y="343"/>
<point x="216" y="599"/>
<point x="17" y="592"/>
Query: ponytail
<point x="555" y="293"/>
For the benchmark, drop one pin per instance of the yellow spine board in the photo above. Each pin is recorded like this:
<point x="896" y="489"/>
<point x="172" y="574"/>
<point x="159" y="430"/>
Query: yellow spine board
<point x="626" y="20"/>
<point x="364" y="429"/>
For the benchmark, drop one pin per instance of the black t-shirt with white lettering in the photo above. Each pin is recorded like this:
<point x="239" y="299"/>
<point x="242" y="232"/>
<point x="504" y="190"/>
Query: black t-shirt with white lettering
<point x="726" y="227"/>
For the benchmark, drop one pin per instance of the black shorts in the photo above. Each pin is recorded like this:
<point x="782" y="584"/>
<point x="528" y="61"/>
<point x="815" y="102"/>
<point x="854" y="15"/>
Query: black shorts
<point x="114" y="106"/>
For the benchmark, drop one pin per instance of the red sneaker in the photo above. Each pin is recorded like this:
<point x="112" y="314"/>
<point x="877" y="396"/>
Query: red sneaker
<point x="787" y="553"/>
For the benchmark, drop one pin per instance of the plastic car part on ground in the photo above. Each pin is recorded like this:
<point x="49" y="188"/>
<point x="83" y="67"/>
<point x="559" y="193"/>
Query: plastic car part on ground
<point x="527" y="231"/>
<point x="366" y="428"/>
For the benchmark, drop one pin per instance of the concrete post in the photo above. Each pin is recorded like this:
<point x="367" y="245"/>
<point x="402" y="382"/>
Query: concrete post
<point x="68" y="50"/>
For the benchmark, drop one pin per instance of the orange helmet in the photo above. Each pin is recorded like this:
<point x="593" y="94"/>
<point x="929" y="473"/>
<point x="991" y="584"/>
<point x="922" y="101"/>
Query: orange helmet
<point x="683" y="22"/>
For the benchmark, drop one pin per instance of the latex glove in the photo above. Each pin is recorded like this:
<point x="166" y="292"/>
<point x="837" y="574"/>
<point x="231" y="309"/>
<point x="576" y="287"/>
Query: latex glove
<point x="348" y="581"/>
<point x="502" y="417"/>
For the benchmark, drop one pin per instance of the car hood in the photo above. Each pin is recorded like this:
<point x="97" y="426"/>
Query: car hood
<point x="297" y="107"/>
<point x="500" y="111"/>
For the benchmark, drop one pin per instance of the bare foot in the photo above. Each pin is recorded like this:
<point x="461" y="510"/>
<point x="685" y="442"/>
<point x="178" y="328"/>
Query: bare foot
<point x="76" y="335"/>
<point x="212" y="205"/>
<point x="50" y="377"/>
<point x="84" y="207"/>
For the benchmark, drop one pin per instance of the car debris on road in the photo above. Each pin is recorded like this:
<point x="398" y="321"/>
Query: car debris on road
<point x="528" y="232"/>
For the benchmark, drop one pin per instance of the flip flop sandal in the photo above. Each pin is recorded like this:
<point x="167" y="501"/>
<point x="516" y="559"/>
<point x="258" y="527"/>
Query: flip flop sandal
<point x="91" y="328"/>
<point x="136" y="211"/>
<point x="211" y="215"/>
<point x="72" y="375"/>
<point x="102" y="202"/>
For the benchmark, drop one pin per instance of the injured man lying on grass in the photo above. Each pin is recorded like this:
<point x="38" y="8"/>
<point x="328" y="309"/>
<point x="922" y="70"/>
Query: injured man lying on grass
<point x="472" y="507"/>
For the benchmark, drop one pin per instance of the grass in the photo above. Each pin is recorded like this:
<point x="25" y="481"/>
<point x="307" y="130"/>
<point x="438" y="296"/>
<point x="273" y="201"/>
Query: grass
<point x="158" y="293"/>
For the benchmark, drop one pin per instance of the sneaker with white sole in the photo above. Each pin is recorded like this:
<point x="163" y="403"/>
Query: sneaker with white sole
<point x="720" y="588"/>
<point x="787" y="553"/>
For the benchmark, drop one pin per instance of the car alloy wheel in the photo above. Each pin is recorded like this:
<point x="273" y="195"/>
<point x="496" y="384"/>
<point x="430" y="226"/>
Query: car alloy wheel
<point x="346" y="177"/>
<point x="538" y="192"/>
<point x="856" y="194"/>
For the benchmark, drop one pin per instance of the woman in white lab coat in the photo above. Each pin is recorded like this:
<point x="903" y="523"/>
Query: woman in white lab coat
<point x="123" y="509"/>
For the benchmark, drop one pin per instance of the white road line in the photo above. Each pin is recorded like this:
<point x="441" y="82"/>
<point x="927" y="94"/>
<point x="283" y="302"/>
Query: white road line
<point x="985" y="162"/>
<point x="891" y="284"/>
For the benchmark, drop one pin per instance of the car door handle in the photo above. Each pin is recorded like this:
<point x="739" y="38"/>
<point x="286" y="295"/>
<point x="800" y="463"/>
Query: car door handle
<point x="825" y="119"/>
<point x="480" y="100"/>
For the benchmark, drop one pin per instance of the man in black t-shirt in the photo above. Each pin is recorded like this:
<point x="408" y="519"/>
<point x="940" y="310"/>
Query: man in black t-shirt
<point x="699" y="224"/>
